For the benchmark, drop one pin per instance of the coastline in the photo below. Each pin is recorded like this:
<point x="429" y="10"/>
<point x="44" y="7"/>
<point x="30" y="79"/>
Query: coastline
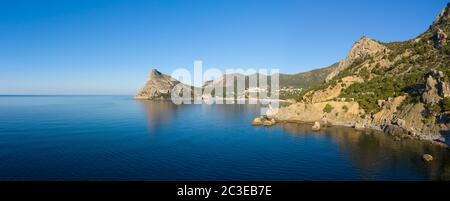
<point x="214" y="99"/>
<point x="372" y="127"/>
<point x="326" y="123"/>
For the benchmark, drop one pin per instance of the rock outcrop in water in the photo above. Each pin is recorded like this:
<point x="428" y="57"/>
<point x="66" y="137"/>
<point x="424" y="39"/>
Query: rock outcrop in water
<point x="427" y="157"/>
<point x="263" y="121"/>
<point x="316" y="126"/>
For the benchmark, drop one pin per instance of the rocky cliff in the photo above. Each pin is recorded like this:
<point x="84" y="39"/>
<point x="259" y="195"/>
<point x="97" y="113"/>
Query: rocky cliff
<point x="158" y="86"/>
<point x="401" y="88"/>
<point x="363" y="48"/>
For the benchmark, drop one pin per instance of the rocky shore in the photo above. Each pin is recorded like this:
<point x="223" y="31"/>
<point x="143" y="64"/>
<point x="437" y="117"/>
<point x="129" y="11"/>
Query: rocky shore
<point x="398" y="134"/>
<point x="396" y="117"/>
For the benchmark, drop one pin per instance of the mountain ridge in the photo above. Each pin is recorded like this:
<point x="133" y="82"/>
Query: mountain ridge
<point x="152" y="90"/>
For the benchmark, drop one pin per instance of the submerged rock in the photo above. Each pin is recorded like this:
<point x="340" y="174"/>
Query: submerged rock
<point x="316" y="126"/>
<point x="427" y="157"/>
<point x="263" y="120"/>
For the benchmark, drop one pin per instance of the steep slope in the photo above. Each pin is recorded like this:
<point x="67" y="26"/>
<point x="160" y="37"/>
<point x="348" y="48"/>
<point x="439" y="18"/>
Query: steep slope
<point x="158" y="86"/>
<point x="307" y="79"/>
<point x="363" y="48"/>
<point x="401" y="87"/>
<point x="303" y="80"/>
<point x="290" y="84"/>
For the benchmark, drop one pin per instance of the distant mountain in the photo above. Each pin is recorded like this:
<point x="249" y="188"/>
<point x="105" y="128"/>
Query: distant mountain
<point x="300" y="80"/>
<point x="159" y="86"/>
<point x="291" y="85"/>
<point x="308" y="79"/>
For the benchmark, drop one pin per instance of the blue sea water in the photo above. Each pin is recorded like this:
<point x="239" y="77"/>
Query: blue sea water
<point x="118" y="138"/>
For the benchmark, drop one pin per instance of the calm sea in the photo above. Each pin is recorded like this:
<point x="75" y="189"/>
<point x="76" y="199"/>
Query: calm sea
<point x="118" y="138"/>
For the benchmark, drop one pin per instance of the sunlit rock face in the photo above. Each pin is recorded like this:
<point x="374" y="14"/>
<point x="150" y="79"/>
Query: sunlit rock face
<point x="397" y="87"/>
<point x="159" y="86"/>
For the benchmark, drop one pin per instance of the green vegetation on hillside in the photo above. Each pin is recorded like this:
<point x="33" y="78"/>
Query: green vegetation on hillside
<point x="446" y="104"/>
<point x="405" y="76"/>
<point x="345" y="108"/>
<point x="368" y="93"/>
<point x="328" y="108"/>
<point x="306" y="80"/>
<point x="284" y="95"/>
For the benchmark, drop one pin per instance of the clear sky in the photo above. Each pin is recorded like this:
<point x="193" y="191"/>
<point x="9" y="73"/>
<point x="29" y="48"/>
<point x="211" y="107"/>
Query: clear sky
<point x="108" y="47"/>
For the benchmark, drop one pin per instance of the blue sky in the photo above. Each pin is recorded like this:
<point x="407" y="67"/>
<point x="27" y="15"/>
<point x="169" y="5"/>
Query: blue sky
<point x="108" y="47"/>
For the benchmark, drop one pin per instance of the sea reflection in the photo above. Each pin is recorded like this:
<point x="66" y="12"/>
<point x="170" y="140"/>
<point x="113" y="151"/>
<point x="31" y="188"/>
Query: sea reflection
<point x="158" y="112"/>
<point x="231" y="110"/>
<point x="373" y="151"/>
<point x="116" y="138"/>
<point x="371" y="155"/>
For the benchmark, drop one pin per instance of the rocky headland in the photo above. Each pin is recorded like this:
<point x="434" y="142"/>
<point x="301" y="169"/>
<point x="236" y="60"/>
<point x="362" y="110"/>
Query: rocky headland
<point x="401" y="88"/>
